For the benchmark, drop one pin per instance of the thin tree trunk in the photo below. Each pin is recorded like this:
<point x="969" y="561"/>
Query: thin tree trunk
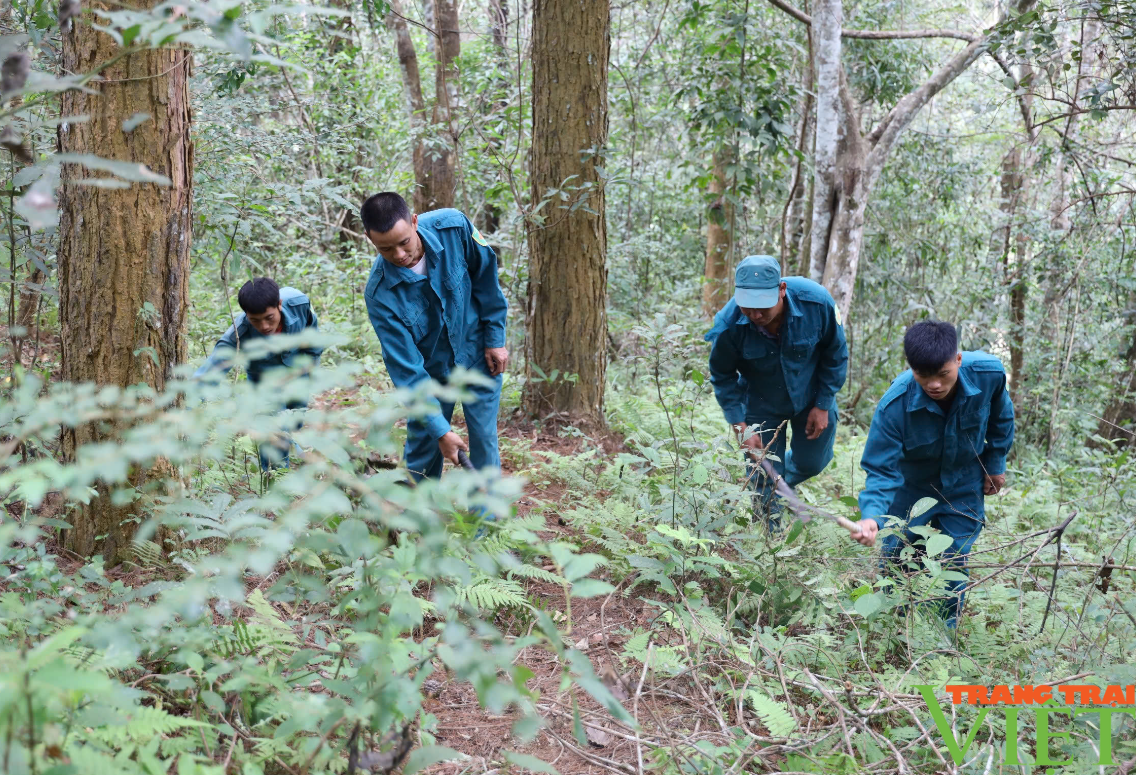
<point x="792" y="217"/>
<point x="123" y="253"/>
<point x="716" y="285"/>
<point x="29" y="298"/>
<point x="568" y="272"/>
<point x="490" y="215"/>
<point x="412" y="85"/>
<point x="440" y="160"/>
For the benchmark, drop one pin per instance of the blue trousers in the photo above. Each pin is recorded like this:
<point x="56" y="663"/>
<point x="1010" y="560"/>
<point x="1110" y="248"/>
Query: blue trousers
<point x="804" y="459"/>
<point x="275" y="454"/>
<point x="424" y="459"/>
<point x="963" y="530"/>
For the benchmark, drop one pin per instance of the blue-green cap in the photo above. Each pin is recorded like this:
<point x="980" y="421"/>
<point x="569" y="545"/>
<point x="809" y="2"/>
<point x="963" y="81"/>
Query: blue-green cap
<point x="757" y="282"/>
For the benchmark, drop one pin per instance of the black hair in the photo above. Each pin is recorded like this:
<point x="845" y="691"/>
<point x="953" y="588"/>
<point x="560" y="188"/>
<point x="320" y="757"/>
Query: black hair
<point x="258" y="294"/>
<point x="928" y="345"/>
<point x="382" y="211"/>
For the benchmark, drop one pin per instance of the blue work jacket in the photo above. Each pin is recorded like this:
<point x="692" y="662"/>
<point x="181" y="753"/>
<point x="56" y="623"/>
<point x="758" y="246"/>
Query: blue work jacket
<point x="915" y="451"/>
<point x="461" y="276"/>
<point x="296" y="310"/>
<point x="814" y="353"/>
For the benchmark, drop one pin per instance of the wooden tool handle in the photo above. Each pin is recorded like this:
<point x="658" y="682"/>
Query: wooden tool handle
<point x="799" y="507"/>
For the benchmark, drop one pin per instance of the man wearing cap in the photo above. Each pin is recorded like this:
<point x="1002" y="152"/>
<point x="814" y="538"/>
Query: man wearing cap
<point x="778" y="357"/>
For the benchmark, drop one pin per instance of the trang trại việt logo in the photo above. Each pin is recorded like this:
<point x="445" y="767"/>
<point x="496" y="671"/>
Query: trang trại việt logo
<point x="1079" y="699"/>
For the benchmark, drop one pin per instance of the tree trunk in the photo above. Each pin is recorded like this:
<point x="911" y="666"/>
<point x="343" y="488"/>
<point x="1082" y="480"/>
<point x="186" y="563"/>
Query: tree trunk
<point x="719" y="245"/>
<point x="828" y="16"/>
<point x="440" y="160"/>
<point x="1119" y="420"/>
<point x="489" y="216"/>
<point x="793" y="216"/>
<point x="30" y="295"/>
<point x="433" y="158"/>
<point x="123" y="253"/>
<point x="1013" y="263"/>
<point x="499" y="26"/>
<point x="567" y="271"/>
<point x="848" y="163"/>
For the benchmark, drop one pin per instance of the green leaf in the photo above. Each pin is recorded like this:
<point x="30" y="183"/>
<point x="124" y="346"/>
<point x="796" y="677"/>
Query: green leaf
<point x="531" y="763"/>
<point x="938" y="544"/>
<point x="921" y="506"/>
<point x="578" y="725"/>
<point x="866" y="605"/>
<point x="422" y="758"/>
<point x="137" y="173"/>
<point x="135" y="121"/>
<point x="795" y="531"/>
<point x="590" y="588"/>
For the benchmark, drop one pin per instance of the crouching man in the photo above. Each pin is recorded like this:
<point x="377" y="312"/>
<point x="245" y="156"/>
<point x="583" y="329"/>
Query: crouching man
<point x="267" y="310"/>
<point x="942" y="430"/>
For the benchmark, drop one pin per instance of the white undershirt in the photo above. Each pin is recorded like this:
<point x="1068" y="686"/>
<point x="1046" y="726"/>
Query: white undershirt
<point x="420" y="267"/>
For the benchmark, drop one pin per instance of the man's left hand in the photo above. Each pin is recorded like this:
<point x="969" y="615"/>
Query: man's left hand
<point x="496" y="358"/>
<point x="993" y="484"/>
<point x="817" y="422"/>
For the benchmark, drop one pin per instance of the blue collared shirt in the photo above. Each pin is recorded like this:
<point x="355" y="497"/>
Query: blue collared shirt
<point x="298" y="316"/>
<point x="812" y="354"/>
<point x="916" y="451"/>
<point x="459" y="291"/>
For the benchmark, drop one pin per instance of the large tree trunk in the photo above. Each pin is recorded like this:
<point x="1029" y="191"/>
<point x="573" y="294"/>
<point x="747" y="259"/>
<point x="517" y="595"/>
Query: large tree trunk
<point x="123" y="253"/>
<point x="828" y="16"/>
<point x="567" y="272"/>
<point x="719" y="242"/>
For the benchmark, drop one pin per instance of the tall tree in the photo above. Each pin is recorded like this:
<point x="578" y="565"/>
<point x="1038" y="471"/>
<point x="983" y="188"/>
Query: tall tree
<point x="848" y="162"/>
<point x="434" y="145"/>
<point x="719" y="238"/>
<point x="123" y="252"/>
<point x="567" y="270"/>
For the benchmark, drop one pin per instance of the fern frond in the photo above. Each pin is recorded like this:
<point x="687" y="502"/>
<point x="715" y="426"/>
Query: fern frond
<point x="533" y="572"/>
<point x="492" y="594"/>
<point x="140" y="724"/>
<point x="772" y="713"/>
<point x="89" y="760"/>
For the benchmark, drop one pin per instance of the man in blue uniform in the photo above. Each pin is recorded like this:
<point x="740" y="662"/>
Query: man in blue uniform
<point x="268" y="310"/>
<point x="777" y="360"/>
<point x="435" y="304"/>
<point x="942" y="431"/>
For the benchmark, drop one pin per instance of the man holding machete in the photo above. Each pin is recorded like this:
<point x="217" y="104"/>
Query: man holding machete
<point x="778" y="358"/>
<point x="435" y="304"/>
<point x="942" y="431"/>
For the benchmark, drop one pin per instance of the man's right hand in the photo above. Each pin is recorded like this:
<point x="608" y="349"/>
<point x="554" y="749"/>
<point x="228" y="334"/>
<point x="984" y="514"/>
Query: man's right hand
<point x="868" y="531"/>
<point x="449" y="445"/>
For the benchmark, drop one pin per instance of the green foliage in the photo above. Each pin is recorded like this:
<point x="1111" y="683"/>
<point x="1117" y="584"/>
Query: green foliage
<point x="287" y="619"/>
